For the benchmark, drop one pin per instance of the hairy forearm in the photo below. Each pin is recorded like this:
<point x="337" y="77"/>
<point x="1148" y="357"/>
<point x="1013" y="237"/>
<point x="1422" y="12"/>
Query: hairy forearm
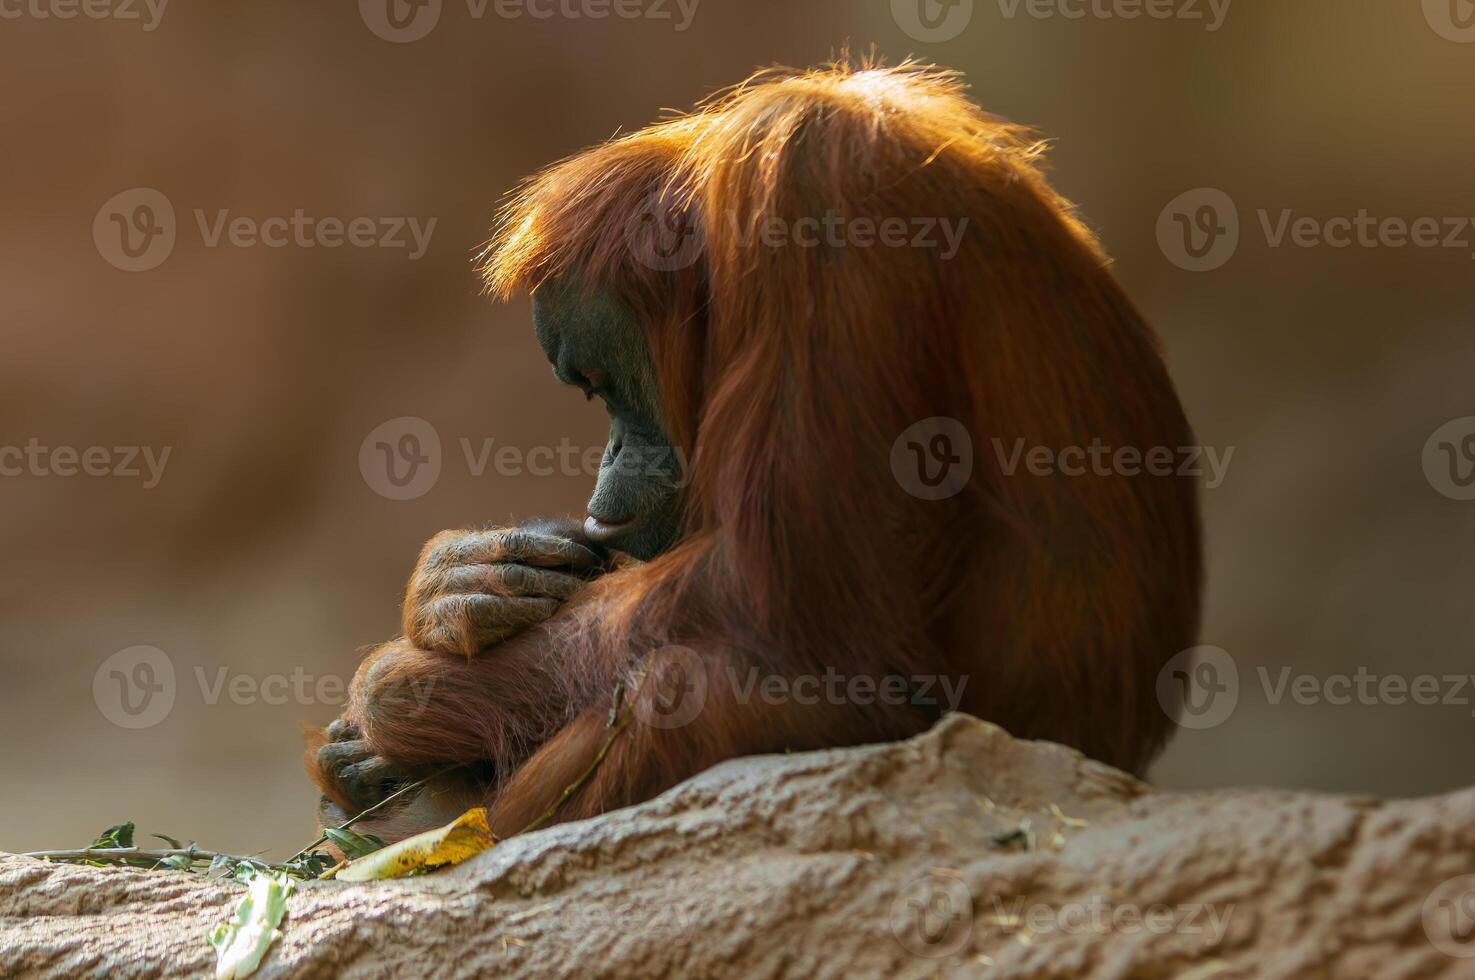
<point x="418" y="709"/>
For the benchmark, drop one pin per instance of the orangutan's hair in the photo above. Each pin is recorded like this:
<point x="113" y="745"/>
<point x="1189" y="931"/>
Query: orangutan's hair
<point x="787" y="373"/>
<point x="787" y="377"/>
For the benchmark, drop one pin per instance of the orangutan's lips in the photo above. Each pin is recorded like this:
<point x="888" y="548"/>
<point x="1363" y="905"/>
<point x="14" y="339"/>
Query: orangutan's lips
<point x="602" y="531"/>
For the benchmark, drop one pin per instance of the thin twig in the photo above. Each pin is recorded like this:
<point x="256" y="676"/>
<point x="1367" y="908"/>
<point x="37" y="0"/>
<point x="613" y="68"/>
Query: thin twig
<point x="145" y="855"/>
<point x="615" y="728"/>
<point x="614" y="709"/>
<point x="577" y="784"/>
<point x="377" y="806"/>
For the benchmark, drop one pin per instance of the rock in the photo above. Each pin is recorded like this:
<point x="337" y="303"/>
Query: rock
<point x="962" y="852"/>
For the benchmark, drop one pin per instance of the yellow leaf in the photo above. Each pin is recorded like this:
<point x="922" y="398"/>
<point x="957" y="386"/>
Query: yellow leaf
<point x="466" y="837"/>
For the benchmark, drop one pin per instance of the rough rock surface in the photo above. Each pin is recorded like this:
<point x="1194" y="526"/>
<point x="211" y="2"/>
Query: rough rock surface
<point x="905" y="860"/>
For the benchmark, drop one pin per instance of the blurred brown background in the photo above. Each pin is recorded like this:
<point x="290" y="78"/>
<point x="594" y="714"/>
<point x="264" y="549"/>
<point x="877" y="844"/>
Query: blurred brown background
<point x="263" y="551"/>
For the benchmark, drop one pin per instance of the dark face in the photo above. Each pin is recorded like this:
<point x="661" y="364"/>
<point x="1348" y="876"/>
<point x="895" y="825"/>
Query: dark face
<point x="597" y="347"/>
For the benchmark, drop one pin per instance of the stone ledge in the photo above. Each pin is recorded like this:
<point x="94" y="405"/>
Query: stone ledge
<point x="900" y="860"/>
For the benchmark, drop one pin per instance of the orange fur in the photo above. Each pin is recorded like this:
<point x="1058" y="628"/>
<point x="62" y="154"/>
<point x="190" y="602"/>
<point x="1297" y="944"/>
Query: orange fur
<point x="787" y="373"/>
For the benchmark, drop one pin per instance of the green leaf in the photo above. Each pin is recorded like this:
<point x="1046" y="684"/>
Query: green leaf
<point x="118" y="835"/>
<point x="241" y="943"/>
<point x="353" y="844"/>
<point x="312" y="865"/>
<point x="169" y="840"/>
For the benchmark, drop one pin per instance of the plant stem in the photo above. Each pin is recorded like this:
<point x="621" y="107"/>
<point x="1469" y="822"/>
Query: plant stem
<point x="377" y="806"/>
<point x="615" y="728"/>
<point x="137" y="854"/>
